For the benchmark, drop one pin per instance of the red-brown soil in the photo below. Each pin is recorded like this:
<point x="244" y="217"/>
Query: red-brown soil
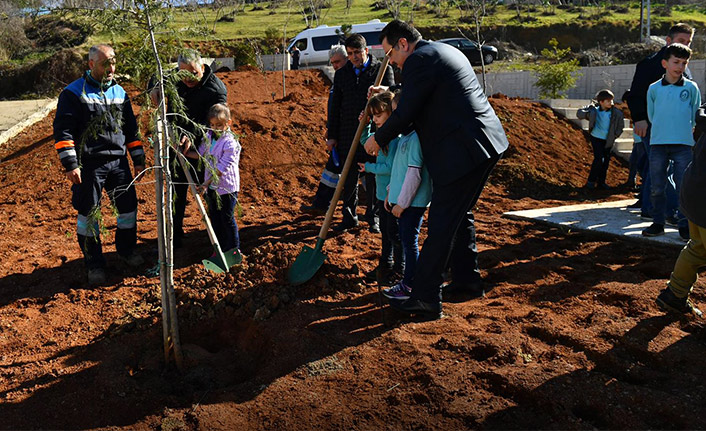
<point x="569" y="338"/>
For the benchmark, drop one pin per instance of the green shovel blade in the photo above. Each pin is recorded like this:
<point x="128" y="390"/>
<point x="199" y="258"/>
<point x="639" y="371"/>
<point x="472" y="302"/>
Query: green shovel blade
<point x="307" y="263"/>
<point x="216" y="265"/>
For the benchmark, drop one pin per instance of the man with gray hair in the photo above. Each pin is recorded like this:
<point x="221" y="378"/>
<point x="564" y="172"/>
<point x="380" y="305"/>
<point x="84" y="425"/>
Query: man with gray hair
<point x="332" y="171"/>
<point x="199" y="89"/>
<point x="94" y="129"/>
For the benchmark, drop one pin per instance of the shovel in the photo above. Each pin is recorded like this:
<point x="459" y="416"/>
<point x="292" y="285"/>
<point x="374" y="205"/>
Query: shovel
<point x="221" y="262"/>
<point x="310" y="259"/>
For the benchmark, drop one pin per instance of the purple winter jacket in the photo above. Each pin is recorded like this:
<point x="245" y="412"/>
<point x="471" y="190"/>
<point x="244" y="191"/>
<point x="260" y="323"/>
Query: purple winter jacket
<point x="223" y="155"/>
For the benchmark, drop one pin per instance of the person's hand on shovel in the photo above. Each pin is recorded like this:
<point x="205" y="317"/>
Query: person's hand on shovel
<point x="373" y="90"/>
<point x="371" y="146"/>
<point x="361" y="167"/>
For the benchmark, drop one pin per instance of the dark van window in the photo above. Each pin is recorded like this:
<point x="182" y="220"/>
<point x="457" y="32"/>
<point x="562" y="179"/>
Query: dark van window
<point x="324" y="43"/>
<point x="301" y="44"/>
<point x="371" y="37"/>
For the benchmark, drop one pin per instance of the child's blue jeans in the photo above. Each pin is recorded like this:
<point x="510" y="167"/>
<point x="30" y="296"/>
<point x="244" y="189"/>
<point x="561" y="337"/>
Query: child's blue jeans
<point x="660" y="155"/>
<point x="410" y="223"/>
<point x="221" y="211"/>
<point x="646" y="188"/>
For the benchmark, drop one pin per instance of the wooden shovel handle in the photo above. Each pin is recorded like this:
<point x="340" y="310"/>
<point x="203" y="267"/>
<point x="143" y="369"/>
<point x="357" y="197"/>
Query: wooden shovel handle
<point x="351" y="156"/>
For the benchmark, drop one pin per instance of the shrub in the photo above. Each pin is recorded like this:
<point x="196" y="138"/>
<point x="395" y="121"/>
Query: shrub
<point x="554" y="74"/>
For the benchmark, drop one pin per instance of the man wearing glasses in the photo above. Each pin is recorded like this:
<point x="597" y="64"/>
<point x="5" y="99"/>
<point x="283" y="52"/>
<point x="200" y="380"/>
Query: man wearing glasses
<point x="348" y="100"/>
<point x="462" y="140"/>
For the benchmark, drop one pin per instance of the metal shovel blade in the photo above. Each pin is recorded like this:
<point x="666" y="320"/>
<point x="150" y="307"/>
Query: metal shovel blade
<point x="215" y="264"/>
<point x="307" y="263"/>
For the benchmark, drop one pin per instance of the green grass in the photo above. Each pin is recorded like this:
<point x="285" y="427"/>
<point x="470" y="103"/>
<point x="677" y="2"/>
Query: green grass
<point x="252" y="24"/>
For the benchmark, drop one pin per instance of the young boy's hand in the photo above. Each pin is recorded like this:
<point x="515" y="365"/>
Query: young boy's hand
<point x="397" y="211"/>
<point x="361" y="167"/>
<point x="387" y="205"/>
<point x="201" y="188"/>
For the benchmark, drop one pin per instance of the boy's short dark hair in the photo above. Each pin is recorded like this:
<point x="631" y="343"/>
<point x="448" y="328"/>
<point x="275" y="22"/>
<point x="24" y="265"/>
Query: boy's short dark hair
<point x="396" y="30"/>
<point x="355" y="41"/>
<point x="677" y="50"/>
<point x="680" y="28"/>
<point x="604" y="94"/>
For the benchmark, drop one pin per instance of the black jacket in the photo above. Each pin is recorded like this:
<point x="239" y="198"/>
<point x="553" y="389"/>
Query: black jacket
<point x="691" y="196"/>
<point x="198" y="100"/>
<point x="647" y="71"/>
<point x="457" y="127"/>
<point x="349" y="97"/>
<point x="93" y="122"/>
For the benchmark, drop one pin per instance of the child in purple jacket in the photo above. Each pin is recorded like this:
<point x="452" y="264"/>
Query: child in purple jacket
<point x="221" y="153"/>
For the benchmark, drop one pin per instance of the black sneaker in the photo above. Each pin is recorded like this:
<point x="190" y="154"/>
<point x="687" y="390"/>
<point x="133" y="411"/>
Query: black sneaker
<point x="636" y="206"/>
<point x="684" y="233"/>
<point x="671" y="220"/>
<point x="374" y="228"/>
<point x="604" y="186"/>
<point x="312" y="209"/>
<point x="654" y="229"/>
<point x="344" y="226"/>
<point x="96" y="276"/>
<point x="667" y="301"/>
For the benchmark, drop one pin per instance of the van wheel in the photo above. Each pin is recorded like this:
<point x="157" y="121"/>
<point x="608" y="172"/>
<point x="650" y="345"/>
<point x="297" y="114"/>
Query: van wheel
<point x="488" y="58"/>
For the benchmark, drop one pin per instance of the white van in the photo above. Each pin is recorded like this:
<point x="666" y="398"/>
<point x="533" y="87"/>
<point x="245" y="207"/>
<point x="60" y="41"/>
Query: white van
<point x="314" y="43"/>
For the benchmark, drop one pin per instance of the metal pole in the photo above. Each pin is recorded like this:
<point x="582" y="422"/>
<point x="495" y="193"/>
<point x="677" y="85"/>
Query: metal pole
<point x="164" y="230"/>
<point x="649" y="16"/>
<point x="642" y="20"/>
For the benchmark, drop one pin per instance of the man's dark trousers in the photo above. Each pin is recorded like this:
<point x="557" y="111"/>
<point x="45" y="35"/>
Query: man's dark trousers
<point x="324" y="193"/>
<point x="113" y="175"/>
<point x="451" y="222"/>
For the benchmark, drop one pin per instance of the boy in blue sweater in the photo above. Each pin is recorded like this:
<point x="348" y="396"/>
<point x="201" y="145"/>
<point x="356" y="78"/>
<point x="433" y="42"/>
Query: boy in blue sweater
<point x="391" y="263"/>
<point x="672" y="103"/>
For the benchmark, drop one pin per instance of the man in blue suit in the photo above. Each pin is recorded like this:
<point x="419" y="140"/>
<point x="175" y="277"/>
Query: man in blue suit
<point x="462" y="140"/>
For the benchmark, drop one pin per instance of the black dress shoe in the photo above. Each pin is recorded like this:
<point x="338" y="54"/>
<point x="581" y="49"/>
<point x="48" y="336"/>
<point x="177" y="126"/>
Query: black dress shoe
<point x="344" y="226"/>
<point x="467" y="291"/>
<point x="312" y="209"/>
<point x="430" y="310"/>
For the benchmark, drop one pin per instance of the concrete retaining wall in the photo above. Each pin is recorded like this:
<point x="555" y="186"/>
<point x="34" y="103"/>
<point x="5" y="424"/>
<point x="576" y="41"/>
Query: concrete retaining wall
<point x="617" y="78"/>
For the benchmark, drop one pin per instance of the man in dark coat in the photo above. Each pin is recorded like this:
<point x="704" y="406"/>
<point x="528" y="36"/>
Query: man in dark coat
<point x="348" y="100"/>
<point x="647" y="71"/>
<point x="332" y="171"/>
<point x="198" y="92"/>
<point x="462" y="140"/>
<point x="675" y="297"/>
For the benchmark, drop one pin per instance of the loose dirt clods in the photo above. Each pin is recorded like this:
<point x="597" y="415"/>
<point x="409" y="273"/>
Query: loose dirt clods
<point x="568" y="338"/>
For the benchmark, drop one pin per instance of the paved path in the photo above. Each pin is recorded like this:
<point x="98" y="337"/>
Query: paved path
<point x="606" y="217"/>
<point x="15" y="115"/>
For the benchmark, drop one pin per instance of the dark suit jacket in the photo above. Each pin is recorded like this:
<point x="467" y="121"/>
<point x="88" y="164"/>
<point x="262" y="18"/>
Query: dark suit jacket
<point x="457" y="127"/>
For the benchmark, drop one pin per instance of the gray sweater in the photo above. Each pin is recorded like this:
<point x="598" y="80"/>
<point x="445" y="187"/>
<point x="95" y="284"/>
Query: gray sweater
<point x="692" y="199"/>
<point x="615" y="128"/>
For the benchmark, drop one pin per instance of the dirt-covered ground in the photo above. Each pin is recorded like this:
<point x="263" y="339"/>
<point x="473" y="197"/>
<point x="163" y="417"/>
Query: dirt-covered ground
<point x="569" y="338"/>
